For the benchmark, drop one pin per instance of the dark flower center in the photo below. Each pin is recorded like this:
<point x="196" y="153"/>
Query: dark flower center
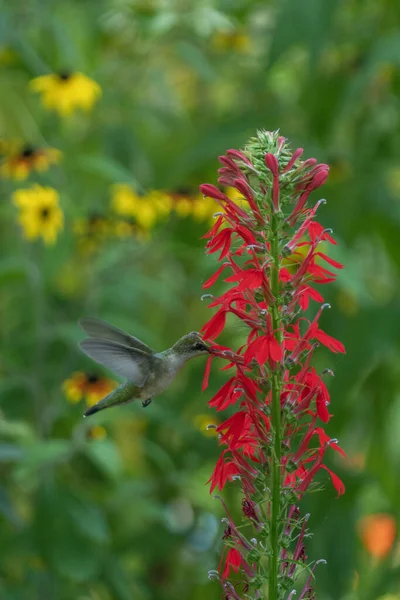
<point x="64" y="75"/>
<point x="45" y="213"/>
<point x="92" y="378"/>
<point x="183" y="190"/>
<point x="28" y="151"/>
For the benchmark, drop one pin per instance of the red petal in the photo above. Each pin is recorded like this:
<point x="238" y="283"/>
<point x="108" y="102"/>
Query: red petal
<point x="272" y="163"/>
<point x="284" y="275"/>
<point x="214" y="277"/>
<point x="330" y="260"/>
<point x="232" y="560"/>
<point x="239" y="156"/>
<point x="322" y="409"/>
<point x="226" y="248"/>
<point x="212" y="192"/>
<point x="329" y="341"/>
<point x="275" y="349"/>
<point x="337" y="482"/>
<point x="206" y="373"/>
<point x="215" y="325"/>
<point x="259" y="349"/>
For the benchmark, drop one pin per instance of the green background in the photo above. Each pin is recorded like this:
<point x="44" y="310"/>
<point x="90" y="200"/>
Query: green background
<point x="130" y="517"/>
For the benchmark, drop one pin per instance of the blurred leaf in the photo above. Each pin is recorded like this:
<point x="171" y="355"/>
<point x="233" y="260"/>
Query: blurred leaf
<point x="7" y="508"/>
<point x="12" y="269"/>
<point x="60" y="539"/>
<point x="307" y="23"/>
<point x="104" y="454"/>
<point x="106" y="168"/>
<point x="10" y="453"/>
<point x="89" y="521"/>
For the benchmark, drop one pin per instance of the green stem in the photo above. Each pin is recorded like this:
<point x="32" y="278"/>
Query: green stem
<point x="276" y="421"/>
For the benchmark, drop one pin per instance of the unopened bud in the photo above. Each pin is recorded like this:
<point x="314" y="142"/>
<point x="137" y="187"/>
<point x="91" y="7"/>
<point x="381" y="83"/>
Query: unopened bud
<point x="291" y="466"/>
<point x="264" y="533"/>
<point x="253" y="556"/>
<point x="257" y="582"/>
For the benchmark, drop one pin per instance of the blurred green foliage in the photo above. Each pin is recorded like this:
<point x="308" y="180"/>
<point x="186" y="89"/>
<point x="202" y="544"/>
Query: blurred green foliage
<point x="130" y="516"/>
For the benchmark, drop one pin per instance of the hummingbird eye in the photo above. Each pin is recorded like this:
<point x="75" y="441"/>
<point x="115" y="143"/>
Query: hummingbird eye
<point x="199" y="346"/>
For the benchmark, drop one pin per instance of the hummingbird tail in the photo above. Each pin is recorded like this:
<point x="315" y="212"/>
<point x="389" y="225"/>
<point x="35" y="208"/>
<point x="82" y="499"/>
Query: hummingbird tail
<point x="122" y="395"/>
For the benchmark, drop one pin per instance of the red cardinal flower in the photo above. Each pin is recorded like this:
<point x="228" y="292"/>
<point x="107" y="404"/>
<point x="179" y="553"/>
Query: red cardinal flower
<point x="272" y="441"/>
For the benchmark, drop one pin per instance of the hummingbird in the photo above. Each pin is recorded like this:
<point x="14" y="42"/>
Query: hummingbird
<point x="148" y="372"/>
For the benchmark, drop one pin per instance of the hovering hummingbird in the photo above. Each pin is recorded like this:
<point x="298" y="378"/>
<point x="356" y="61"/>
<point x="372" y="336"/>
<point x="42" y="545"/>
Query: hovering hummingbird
<point x="148" y="372"/>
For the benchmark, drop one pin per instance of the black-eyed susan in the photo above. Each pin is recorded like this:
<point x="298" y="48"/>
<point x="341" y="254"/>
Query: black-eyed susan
<point x="66" y="91"/>
<point x="182" y="202"/>
<point x="39" y="213"/>
<point x="87" y="386"/>
<point x="21" y="162"/>
<point x="127" y="229"/>
<point x="94" y="225"/>
<point x="232" y="40"/>
<point x="145" y="209"/>
<point x="97" y="433"/>
<point x="92" y="232"/>
<point x="124" y="200"/>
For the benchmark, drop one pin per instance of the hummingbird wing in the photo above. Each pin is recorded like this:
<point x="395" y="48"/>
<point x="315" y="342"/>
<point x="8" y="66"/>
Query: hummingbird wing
<point x="131" y="363"/>
<point x="96" y="328"/>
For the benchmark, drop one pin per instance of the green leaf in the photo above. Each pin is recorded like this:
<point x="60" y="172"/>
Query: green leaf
<point x="89" y="520"/>
<point x="105" y="455"/>
<point x="11" y="270"/>
<point x="107" y="168"/>
<point x="10" y="453"/>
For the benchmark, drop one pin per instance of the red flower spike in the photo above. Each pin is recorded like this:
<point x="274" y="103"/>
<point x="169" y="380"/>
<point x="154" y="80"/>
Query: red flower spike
<point x="273" y="437"/>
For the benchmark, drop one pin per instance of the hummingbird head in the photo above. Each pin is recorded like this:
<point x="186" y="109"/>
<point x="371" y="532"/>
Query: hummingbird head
<point x="190" y="345"/>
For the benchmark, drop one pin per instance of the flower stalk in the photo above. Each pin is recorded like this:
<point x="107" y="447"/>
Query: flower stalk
<point x="272" y="444"/>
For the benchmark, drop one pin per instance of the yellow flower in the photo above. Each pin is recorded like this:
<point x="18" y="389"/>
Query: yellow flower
<point x="94" y="226"/>
<point x="204" y="209"/>
<point x="39" y="213"/>
<point x="125" y="229"/>
<point x="124" y="200"/>
<point x="183" y="207"/>
<point x="161" y="200"/>
<point x="146" y="210"/>
<point x="64" y="92"/>
<point x="224" y="41"/>
<point x="234" y="195"/>
<point x="97" y="433"/>
<point x="87" y="386"/>
<point x="183" y="202"/>
<point x="19" y="164"/>
<point x="92" y="231"/>
<point x="203" y="422"/>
